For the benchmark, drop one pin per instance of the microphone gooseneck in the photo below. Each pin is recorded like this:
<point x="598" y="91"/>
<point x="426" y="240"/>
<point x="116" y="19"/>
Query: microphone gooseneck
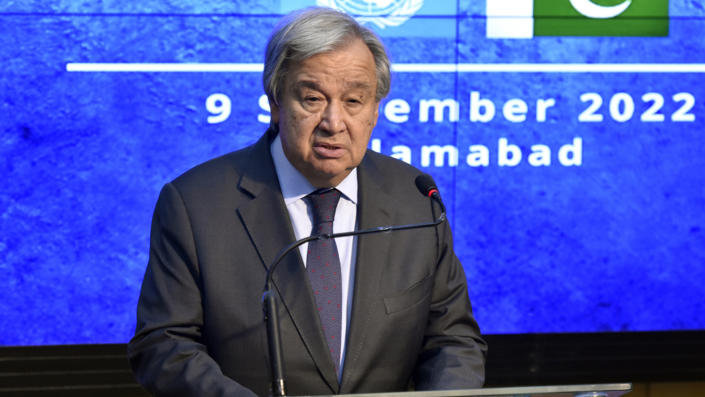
<point x="426" y="186"/>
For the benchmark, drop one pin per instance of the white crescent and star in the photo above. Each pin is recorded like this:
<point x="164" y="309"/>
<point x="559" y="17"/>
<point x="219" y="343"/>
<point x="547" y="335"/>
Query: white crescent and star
<point x="592" y="10"/>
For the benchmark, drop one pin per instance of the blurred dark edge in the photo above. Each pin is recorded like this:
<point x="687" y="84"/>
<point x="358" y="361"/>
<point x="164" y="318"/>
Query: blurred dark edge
<point x="513" y="360"/>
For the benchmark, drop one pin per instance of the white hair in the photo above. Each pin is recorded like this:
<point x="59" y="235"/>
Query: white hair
<point x="312" y="31"/>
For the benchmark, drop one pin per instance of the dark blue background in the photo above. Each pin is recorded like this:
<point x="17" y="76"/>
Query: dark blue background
<point x="615" y="244"/>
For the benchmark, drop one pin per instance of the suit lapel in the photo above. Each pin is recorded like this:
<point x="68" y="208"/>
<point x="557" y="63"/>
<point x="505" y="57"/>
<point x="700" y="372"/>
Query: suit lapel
<point x="267" y="221"/>
<point x="375" y="209"/>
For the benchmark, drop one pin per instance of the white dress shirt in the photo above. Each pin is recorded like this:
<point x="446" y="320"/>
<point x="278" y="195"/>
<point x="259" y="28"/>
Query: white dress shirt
<point x="294" y="188"/>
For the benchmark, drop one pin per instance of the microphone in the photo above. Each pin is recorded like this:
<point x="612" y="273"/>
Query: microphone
<point x="426" y="186"/>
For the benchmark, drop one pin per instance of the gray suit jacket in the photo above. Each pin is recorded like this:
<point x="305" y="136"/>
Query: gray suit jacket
<point x="219" y="226"/>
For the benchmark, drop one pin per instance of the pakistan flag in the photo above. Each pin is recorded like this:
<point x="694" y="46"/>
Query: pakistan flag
<point x="529" y="18"/>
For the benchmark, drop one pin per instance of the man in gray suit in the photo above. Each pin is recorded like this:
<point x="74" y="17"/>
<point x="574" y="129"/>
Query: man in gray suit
<point x="375" y="313"/>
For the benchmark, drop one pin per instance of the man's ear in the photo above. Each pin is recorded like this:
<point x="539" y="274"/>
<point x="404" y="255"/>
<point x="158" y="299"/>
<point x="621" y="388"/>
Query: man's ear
<point x="274" y="110"/>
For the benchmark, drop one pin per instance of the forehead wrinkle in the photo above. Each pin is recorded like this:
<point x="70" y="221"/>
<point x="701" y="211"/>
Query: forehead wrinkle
<point x="307" y="84"/>
<point x="314" y="85"/>
<point x="358" y="84"/>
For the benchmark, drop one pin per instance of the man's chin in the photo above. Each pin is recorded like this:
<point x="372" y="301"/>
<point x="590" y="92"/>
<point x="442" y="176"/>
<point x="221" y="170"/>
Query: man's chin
<point x="328" y="177"/>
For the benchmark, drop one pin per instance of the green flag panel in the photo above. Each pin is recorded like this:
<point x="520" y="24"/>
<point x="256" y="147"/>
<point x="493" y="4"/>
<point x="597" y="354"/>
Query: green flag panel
<point x="601" y="18"/>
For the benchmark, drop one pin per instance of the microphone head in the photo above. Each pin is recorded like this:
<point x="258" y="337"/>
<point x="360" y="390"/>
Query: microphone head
<point x="425" y="184"/>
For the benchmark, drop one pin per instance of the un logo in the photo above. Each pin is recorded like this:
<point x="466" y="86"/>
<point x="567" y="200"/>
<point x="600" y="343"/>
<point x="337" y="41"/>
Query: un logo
<point x="382" y="13"/>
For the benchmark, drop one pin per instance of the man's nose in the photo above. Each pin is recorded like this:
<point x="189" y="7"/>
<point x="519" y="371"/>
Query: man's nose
<point x="332" y="120"/>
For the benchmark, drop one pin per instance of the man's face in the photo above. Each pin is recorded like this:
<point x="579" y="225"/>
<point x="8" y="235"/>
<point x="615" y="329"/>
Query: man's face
<point x="327" y="111"/>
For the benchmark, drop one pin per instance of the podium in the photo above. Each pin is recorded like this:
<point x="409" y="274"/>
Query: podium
<point x="595" y="390"/>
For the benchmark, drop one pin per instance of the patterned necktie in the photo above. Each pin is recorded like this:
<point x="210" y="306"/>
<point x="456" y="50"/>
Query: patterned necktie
<point x="323" y="268"/>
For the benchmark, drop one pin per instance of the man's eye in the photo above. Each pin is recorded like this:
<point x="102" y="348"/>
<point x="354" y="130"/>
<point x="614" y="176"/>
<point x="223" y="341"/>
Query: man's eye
<point x="312" y="99"/>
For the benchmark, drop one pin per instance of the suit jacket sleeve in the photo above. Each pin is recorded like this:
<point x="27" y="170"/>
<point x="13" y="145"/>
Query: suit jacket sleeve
<point x="453" y="353"/>
<point x="166" y="353"/>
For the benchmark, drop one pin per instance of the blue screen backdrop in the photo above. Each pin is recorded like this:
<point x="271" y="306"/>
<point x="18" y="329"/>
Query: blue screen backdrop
<point x="576" y="194"/>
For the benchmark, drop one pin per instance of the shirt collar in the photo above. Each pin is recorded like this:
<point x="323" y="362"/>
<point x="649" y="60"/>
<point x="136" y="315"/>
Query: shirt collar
<point x="295" y="186"/>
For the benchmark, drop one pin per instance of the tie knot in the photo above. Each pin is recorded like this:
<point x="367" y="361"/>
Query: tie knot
<point x="323" y="204"/>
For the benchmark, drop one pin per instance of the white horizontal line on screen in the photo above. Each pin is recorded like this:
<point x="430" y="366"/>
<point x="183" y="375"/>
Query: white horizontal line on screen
<point x="409" y="67"/>
<point x="164" y="67"/>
